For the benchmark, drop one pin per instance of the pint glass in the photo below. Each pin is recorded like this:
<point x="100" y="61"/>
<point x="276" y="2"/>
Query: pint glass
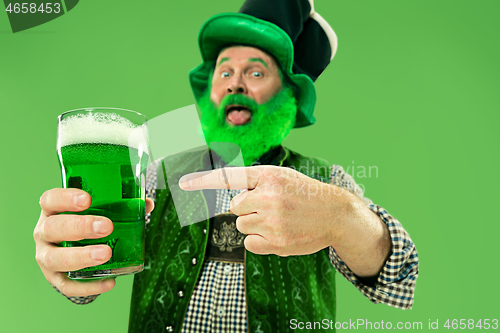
<point x="104" y="151"/>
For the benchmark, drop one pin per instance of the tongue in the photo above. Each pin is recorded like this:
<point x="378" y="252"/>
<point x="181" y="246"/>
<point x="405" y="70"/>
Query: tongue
<point x="239" y="117"/>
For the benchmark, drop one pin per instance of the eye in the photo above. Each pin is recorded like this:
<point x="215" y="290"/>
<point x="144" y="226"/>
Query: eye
<point x="256" y="74"/>
<point x="225" y="74"/>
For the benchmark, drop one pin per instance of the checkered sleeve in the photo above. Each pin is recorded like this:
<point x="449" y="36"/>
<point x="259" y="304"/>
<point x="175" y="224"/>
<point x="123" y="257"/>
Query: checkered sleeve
<point x="151" y="181"/>
<point x="395" y="284"/>
<point x="80" y="300"/>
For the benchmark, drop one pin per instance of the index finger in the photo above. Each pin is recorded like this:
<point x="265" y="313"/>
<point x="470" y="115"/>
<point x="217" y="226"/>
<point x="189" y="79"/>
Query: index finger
<point x="234" y="178"/>
<point x="60" y="200"/>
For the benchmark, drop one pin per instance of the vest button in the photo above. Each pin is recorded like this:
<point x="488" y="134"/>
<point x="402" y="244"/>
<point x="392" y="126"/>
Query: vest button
<point x="194" y="261"/>
<point x="204" y="231"/>
<point x="169" y="329"/>
<point x="221" y="312"/>
<point x="180" y="294"/>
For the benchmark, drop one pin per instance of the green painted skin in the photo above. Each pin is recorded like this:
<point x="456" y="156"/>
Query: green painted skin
<point x="106" y="172"/>
<point x="251" y="59"/>
<point x="258" y="60"/>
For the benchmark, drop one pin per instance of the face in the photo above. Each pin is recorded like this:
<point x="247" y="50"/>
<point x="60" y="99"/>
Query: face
<point x="247" y="106"/>
<point x="247" y="71"/>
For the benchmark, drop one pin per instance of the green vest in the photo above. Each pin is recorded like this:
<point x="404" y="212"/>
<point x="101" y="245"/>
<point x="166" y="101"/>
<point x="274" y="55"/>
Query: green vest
<point x="278" y="289"/>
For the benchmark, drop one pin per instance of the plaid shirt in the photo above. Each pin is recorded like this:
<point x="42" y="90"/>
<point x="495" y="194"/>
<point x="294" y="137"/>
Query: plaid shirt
<point x="218" y="301"/>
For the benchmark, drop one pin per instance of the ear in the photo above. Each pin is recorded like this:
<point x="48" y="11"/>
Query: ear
<point x="286" y="82"/>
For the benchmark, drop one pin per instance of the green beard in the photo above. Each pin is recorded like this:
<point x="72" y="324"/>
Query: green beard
<point x="270" y="124"/>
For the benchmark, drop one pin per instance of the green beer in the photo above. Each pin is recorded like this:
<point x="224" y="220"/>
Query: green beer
<point x="111" y="170"/>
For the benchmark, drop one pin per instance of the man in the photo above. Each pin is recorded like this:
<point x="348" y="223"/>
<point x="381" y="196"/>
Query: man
<point x="297" y="226"/>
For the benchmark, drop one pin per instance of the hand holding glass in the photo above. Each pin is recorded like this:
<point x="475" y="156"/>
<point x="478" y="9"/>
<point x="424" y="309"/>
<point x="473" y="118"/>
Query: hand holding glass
<point x="104" y="151"/>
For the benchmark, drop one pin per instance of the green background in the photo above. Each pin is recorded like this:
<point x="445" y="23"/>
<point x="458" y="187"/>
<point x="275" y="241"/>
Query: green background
<point x="413" y="90"/>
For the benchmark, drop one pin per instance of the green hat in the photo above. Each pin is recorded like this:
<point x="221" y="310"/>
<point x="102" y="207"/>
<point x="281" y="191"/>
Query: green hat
<point x="306" y="38"/>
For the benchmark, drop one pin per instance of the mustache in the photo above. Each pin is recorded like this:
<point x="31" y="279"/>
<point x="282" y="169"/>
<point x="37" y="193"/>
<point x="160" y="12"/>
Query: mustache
<point x="238" y="99"/>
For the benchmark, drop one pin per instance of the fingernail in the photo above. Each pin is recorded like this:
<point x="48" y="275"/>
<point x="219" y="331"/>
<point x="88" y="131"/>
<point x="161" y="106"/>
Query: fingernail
<point x="80" y="200"/>
<point x="238" y="199"/>
<point x="103" y="283"/>
<point x="100" y="227"/>
<point x="185" y="183"/>
<point x="98" y="254"/>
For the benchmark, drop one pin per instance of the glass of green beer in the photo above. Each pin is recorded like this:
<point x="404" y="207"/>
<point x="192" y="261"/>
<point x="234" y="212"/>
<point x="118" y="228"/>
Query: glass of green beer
<point x="104" y="151"/>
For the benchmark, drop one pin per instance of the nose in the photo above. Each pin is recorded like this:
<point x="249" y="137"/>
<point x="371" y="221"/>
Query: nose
<point x="236" y="85"/>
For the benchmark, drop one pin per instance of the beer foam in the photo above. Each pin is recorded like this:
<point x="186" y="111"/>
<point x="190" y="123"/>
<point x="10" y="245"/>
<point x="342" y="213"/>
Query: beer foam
<point x="98" y="127"/>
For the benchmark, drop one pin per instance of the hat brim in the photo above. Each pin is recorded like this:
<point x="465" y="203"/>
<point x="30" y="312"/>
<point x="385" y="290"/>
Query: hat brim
<point x="230" y="29"/>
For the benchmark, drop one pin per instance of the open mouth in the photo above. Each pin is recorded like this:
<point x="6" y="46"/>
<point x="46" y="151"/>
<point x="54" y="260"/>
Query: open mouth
<point x="238" y="114"/>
